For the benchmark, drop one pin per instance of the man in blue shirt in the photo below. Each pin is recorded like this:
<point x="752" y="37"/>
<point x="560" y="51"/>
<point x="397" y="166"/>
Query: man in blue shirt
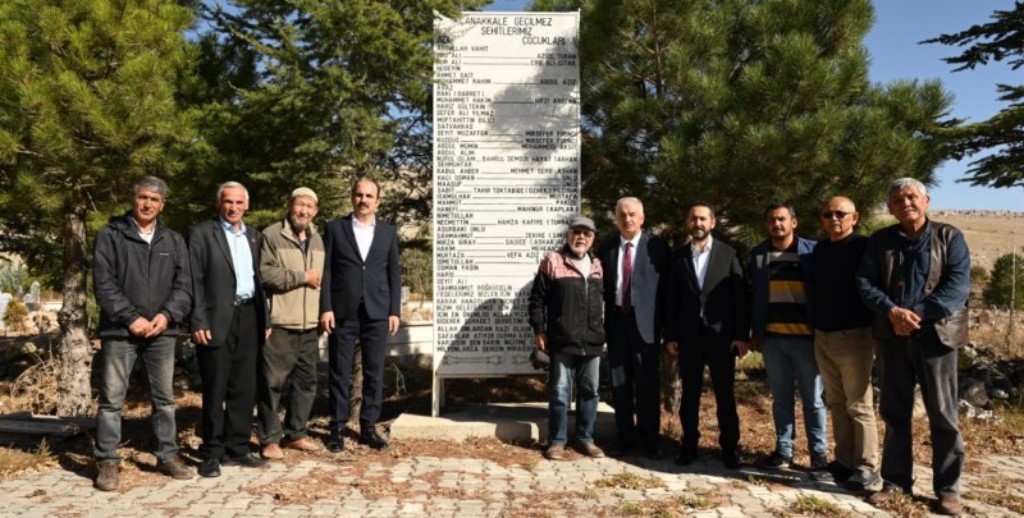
<point x="915" y="278"/>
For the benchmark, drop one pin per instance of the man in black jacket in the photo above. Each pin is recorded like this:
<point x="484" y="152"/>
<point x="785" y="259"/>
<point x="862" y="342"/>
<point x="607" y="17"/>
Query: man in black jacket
<point x="142" y="283"/>
<point x="707" y="323"/>
<point x="229" y="324"/>
<point x="566" y="316"/>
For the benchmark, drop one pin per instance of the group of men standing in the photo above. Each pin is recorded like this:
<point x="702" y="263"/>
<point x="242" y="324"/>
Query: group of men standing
<point x="818" y="312"/>
<point x="255" y="303"/>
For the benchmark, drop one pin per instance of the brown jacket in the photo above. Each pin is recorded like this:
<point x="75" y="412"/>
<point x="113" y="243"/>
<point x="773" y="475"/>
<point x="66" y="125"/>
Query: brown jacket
<point x="293" y="304"/>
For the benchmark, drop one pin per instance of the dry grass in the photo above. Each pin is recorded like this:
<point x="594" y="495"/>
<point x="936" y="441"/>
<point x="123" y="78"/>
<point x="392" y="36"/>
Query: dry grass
<point x="629" y="480"/>
<point x="811" y="505"/>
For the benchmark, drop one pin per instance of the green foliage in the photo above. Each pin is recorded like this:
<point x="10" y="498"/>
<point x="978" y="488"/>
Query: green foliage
<point x="12" y="279"/>
<point x="979" y="275"/>
<point x="1005" y="282"/>
<point x="1000" y="39"/>
<point x="16" y="314"/>
<point x="318" y="93"/>
<point x="86" y="106"/>
<point x="741" y="103"/>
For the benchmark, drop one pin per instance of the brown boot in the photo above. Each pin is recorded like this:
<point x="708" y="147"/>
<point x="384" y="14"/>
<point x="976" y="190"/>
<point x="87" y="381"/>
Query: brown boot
<point x="108" y="476"/>
<point x="302" y="444"/>
<point x="175" y="468"/>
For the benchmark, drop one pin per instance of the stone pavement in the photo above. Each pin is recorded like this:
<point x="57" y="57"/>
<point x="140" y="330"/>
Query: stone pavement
<point x="371" y="485"/>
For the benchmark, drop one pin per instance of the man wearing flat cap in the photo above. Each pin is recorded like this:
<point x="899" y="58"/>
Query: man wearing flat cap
<point x="291" y="264"/>
<point x="566" y="314"/>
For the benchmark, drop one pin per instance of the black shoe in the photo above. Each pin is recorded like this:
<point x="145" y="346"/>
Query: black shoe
<point x="336" y="443"/>
<point x="210" y="468"/>
<point x="862" y="480"/>
<point x="371" y="439"/>
<point x="775" y="461"/>
<point x="246" y="461"/>
<point x="686" y="458"/>
<point x="652" y="452"/>
<point x="621" y="449"/>
<point x="731" y="459"/>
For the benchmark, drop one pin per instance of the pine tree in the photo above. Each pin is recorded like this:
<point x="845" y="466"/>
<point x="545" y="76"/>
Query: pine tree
<point x="323" y="92"/>
<point x="86" y="105"/>
<point x="1002" y="39"/>
<point x="741" y="103"/>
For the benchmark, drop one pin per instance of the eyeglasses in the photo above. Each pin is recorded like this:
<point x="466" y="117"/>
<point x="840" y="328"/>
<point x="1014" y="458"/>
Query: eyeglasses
<point x="583" y="231"/>
<point x="837" y="213"/>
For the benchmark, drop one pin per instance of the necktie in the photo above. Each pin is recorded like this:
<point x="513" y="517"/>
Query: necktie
<point x="627" y="278"/>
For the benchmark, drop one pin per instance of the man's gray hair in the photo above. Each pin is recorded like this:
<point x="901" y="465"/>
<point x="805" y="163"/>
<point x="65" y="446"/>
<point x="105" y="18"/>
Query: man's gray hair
<point x="902" y="183"/>
<point x="231" y="185"/>
<point x="150" y="183"/>
<point x="628" y="199"/>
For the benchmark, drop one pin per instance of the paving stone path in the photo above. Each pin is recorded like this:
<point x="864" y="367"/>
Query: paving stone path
<point x="321" y="485"/>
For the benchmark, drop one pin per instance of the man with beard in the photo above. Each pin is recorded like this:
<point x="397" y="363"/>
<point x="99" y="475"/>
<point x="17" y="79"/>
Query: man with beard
<point x="633" y="286"/>
<point x="915" y="277"/>
<point x="291" y="263"/>
<point x="780" y="269"/>
<point x="360" y="301"/>
<point x="706" y="323"/>
<point x="143" y="287"/>
<point x="565" y="314"/>
<point x="229" y="324"/>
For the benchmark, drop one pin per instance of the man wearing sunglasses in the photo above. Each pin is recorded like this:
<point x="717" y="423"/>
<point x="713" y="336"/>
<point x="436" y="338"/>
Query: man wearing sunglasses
<point x="844" y="347"/>
<point x="566" y="315"/>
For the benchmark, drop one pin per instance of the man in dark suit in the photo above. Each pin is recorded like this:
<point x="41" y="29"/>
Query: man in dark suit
<point x="636" y="268"/>
<point x="229" y="324"/>
<point x="707" y="324"/>
<point x="360" y="299"/>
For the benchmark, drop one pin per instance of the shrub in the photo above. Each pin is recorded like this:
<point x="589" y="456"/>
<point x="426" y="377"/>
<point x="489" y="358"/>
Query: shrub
<point x="16" y="315"/>
<point x="979" y="275"/>
<point x="1006" y="269"/>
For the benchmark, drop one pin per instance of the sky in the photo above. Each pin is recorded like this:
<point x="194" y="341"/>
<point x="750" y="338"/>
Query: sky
<point x="896" y="54"/>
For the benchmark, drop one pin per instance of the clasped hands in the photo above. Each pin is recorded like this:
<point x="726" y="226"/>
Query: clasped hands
<point x="904" y="321"/>
<point x="145" y="328"/>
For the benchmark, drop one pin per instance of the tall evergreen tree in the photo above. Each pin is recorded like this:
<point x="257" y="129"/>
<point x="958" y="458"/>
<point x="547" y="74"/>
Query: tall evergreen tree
<point x="740" y="103"/>
<point x="86" y="105"/>
<point x="325" y="92"/>
<point x="1002" y="39"/>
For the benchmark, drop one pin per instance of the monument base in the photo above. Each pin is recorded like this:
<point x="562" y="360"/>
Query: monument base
<point x="504" y="421"/>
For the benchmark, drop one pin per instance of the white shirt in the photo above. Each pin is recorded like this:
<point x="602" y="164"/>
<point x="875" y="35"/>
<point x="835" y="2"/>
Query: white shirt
<point x="583" y="265"/>
<point x="364" y="235"/>
<point x="622" y="255"/>
<point x="146" y="236"/>
<point x="700" y="261"/>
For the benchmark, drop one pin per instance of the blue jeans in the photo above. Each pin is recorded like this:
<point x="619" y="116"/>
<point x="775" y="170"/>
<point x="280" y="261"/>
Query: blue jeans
<point x="789" y="359"/>
<point x="564" y="369"/>
<point x="118" y="360"/>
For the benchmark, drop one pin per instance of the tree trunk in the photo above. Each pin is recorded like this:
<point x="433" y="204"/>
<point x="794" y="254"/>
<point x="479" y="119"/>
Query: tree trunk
<point x="355" y="397"/>
<point x="74" y="395"/>
<point x="671" y="387"/>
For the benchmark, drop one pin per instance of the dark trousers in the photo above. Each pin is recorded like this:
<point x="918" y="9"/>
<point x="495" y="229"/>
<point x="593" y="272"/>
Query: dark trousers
<point x="287" y="380"/>
<point x="636" y="382"/>
<point x="721" y="362"/>
<point x="924" y="360"/>
<point x="373" y="339"/>
<point x="228" y="373"/>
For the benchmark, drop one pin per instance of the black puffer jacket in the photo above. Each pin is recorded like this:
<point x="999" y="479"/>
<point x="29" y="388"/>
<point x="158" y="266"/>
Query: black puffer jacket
<point x="132" y="278"/>
<point x="568" y="307"/>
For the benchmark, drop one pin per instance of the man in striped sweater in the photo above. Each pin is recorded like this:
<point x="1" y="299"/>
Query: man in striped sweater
<point x="780" y="328"/>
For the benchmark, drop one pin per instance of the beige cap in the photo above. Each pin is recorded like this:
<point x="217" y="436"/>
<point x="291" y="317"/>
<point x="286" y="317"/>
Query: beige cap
<point x="304" y="191"/>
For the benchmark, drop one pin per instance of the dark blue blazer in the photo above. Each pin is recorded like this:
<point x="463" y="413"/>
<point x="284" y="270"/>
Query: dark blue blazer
<point x="213" y="279"/>
<point x="349" y="281"/>
<point x="650" y="273"/>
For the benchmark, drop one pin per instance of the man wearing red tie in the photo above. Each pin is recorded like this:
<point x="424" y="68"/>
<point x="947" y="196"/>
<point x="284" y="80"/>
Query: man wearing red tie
<point x="636" y="267"/>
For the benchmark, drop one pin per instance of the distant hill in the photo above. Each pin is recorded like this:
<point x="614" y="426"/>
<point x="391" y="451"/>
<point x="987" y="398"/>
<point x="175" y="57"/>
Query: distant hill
<point x="989" y="233"/>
